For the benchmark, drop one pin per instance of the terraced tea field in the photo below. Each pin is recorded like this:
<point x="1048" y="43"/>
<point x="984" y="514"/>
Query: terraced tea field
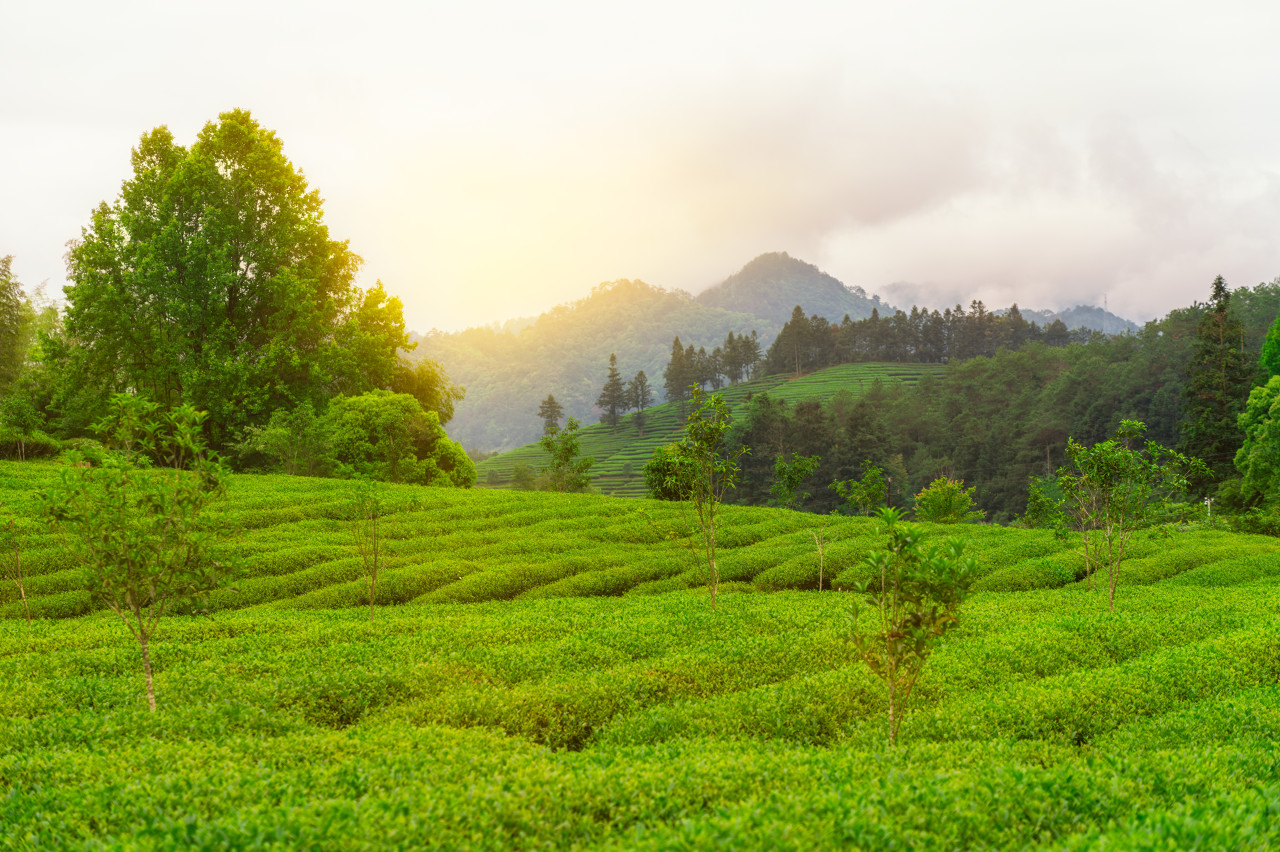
<point x="546" y="672"/>
<point x="620" y="457"/>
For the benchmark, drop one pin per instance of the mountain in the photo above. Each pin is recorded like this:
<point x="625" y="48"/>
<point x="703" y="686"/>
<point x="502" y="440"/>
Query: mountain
<point x="565" y="352"/>
<point x="773" y="284"/>
<point x="1083" y="316"/>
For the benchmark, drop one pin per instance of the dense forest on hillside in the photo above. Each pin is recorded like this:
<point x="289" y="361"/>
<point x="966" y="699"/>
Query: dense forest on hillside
<point x="995" y="420"/>
<point x="566" y="352"/>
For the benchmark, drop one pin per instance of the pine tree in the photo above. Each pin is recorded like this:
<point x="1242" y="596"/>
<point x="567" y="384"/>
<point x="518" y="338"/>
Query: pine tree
<point x="1218" y="382"/>
<point x="550" y="411"/>
<point x="639" y="397"/>
<point x="676" y="377"/>
<point x="612" y="401"/>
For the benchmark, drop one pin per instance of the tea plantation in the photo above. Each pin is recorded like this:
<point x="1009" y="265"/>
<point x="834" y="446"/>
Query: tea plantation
<point x="620" y="456"/>
<point x="545" y="672"/>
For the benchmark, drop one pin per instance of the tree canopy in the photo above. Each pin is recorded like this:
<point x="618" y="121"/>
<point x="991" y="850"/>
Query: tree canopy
<point x="213" y="281"/>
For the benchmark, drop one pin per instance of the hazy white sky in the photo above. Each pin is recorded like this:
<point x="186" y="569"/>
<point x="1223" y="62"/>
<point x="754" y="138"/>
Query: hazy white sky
<point x="489" y="160"/>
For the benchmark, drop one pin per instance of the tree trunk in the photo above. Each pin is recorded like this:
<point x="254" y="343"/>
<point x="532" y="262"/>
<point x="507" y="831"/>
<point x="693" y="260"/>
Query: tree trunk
<point x="893" y="717"/>
<point x="146" y="666"/>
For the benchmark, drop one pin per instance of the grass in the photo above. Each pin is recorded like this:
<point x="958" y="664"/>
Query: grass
<point x="525" y="686"/>
<point x="620" y="456"/>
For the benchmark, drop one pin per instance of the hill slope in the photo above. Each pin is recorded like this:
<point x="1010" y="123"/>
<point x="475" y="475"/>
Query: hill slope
<point x="565" y="352"/>
<point x="620" y="456"/>
<point x="773" y="284"/>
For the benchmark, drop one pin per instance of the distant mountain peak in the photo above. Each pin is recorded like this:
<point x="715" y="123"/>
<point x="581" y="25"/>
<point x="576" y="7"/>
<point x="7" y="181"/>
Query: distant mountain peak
<point x="772" y="284"/>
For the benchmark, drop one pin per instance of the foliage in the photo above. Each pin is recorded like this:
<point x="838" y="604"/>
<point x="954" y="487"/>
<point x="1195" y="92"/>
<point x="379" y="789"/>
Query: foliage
<point x="16" y="316"/>
<point x="291" y="442"/>
<point x="613" y="399"/>
<point x="639" y="397"/>
<point x="860" y="496"/>
<point x="364" y="517"/>
<point x="426" y="381"/>
<point x="388" y="436"/>
<point x="1218" y="380"/>
<point x="1259" y="457"/>
<point x="550" y="411"/>
<point x="213" y="281"/>
<point x="1108" y="491"/>
<point x="915" y="596"/>
<point x="566" y="470"/>
<point x="1270" y="360"/>
<point x="12" y="542"/>
<point x="143" y="533"/>
<point x="703" y="468"/>
<point x="946" y="501"/>
<point x="787" y="477"/>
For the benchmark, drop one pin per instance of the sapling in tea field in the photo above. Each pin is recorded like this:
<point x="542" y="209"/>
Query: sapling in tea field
<point x="11" y="542"/>
<point x="364" y="516"/>
<point x="916" y="595"/>
<point x="1108" y="492"/>
<point x="140" y="530"/>
<point x="566" y="470"/>
<point x="701" y="469"/>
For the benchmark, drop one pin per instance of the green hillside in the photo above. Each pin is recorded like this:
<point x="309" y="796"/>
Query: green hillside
<point x="537" y="718"/>
<point x="620" y="456"/>
<point x="565" y="352"/>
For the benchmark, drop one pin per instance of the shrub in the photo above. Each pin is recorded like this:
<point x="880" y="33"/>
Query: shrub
<point x="946" y="501"/>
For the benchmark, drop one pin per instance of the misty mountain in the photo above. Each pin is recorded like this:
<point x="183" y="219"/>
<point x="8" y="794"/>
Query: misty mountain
<point x="773" y="284"/>
<point x="509" y="369"/>
<point x="1082" y="316"/>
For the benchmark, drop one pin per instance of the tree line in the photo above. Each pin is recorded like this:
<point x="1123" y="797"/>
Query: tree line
<point x="1201" y="379"/>
<point x="919" y="336"/>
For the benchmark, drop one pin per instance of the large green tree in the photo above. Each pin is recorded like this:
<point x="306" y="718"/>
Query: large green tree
<point x="213" y="281"/>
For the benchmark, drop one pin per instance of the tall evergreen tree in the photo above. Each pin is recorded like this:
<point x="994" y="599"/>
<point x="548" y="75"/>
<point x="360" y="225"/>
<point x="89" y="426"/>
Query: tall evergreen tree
<point x="612" y="401"/>
<point x="550" y="411"/>
<point x="1218" y="380"/>
<point x="677" y="376"/>
<point x="639" y="397"/>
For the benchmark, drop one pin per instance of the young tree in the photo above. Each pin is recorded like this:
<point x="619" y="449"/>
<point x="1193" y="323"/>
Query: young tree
<point x="1107" y="491"/>
<point x="915" y="595"/>
<point x="550" y="411"/>
<point x="364" y="516"/>
<point x="946" y="501"/>
<point x="639" y="397"/>
<point x="613" y="397"/>
<point x="141" y="532"/>
<point x="702" y="468"/>
<point x="787" y="476"/>
<point x="12" y="538"/>
<point x="678" y="375"/>
<point x="565" y="470"/>
<point x="860" y="496"/>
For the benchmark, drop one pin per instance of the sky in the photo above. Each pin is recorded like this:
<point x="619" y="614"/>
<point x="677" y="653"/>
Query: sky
<point x="490" y="160"/>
